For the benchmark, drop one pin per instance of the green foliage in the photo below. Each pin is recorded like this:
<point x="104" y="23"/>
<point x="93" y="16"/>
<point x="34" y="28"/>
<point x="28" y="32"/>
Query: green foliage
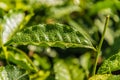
<point x="54" y="35"/>
<point x="17" y="58"/>
<point x="61" y="70"/>
<point x="105" y="77"/>
<point x="11" y="72"/>
<point x="59" y="39"/>
<point x="67" y="71"/>
<point x="10" y="22"/>
<point x="111" y="64"/>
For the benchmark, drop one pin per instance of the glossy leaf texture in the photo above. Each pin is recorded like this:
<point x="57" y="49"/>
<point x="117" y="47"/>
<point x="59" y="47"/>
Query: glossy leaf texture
<point x="61" y="71"/>
<point x="12" y="73"/>
<point x="53" y="35"/>
<point x="111" y="64"/>
<point x="105" y="77"/>
<point x="10" y="23"/>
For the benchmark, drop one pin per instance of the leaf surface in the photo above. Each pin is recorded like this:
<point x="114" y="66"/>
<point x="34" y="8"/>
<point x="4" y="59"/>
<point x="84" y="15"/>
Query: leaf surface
<point x="111" y="64"/>
<point x="19" y="60"/>
<point x="61" y="71"/>
<point x="10" y="23"/>
<point x="53" y="35"/>
<point x="12" y="73"/>
<point x="76" y="72"/>
<point x="3" y="74"/>
<point x="105" y="77"/>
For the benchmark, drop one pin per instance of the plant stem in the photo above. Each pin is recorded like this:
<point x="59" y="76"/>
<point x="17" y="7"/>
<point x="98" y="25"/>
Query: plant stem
<point x="100" y="44"/>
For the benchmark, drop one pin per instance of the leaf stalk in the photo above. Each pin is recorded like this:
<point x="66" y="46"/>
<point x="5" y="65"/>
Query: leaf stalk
<point x="100" y="44"/>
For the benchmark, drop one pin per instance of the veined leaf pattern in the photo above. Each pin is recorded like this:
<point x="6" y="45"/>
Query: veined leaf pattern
<point x="54" y="35"/>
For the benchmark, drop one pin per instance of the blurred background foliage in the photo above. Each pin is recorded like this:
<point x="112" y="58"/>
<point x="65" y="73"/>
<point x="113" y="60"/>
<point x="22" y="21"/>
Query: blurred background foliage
<point x="72" y="63"/>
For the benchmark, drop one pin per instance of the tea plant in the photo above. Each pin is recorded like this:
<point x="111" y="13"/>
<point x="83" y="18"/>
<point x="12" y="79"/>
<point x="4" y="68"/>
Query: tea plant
<point x="44" y="40"/>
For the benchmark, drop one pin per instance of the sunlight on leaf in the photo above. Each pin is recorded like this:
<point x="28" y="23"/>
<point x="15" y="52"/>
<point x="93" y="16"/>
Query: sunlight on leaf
<point x="3" y="74"/>
<point x="53" y="35"/>
<point x="61" y="71"/>
<point x="11" y="22"/>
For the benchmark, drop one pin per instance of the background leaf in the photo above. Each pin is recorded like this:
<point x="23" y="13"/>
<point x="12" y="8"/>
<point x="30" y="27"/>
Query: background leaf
<point x="3" y="74"/>
<point x="105" y="77"/>
<point x="18" y="59"/>
<point x="12" y="73"/>
<point x="76" y="71"/>
<point x="83" y="16"/>
<point x="111" y="64"/>
<point x="99" y="6"/>
<point x="61" y="71"/>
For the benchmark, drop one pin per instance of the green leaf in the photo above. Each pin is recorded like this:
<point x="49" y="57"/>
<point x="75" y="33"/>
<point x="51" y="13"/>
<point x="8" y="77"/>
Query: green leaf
<point x="10" y="23"/>
<point x="19" y="60"/>
<point x="75" y="69"/>
<point x="111" y="64"/>
<point x="85" y="62"/>
<point x="99" y="6"/>
<point x="3" y="74"/>
<point x="61" y="71"/>
<point x="76" y="72"/>
<point x="12" y="73"/>
<point x="105" y="77"/>
<point x="41" y="61"/>
<point x="54" y="35"/>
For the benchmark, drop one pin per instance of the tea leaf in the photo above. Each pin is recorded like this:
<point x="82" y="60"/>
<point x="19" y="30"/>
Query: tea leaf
<point x="61" y="71"/>
<point x="3" y="74"/>
<point x="111" y="64"/>
<point x="10" y="23"/>
<point x="19" y="60"/>
<point x="53" y="35"/>
<point x="105" y="77"/>
<point x="12" y="73"/>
